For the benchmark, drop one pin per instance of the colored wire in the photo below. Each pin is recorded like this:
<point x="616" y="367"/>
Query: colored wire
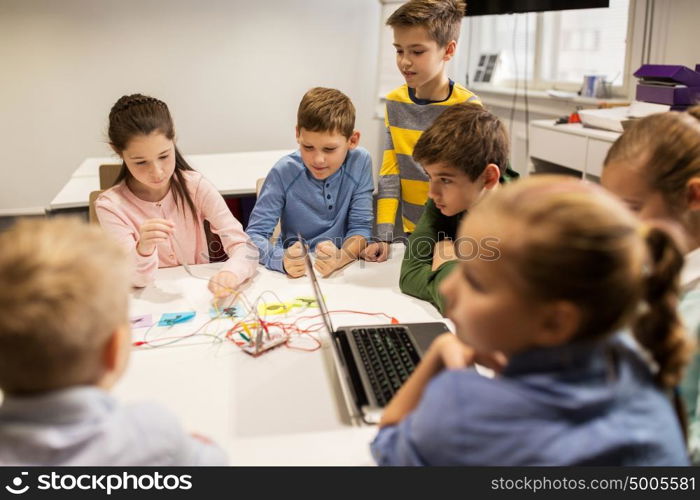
<point x="289" y="330"/>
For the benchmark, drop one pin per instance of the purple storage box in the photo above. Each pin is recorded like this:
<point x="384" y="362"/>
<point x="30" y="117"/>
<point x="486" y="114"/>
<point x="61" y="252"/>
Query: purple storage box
<point x="660" y="94"/>
<point x="670" y="73"/>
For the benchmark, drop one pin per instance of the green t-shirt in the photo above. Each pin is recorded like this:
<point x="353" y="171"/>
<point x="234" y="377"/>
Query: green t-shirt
<point x="417" y="276"/>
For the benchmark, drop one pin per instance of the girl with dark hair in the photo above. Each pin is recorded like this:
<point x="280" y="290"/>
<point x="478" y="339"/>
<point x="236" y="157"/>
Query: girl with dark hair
<point x="158" y="207"/>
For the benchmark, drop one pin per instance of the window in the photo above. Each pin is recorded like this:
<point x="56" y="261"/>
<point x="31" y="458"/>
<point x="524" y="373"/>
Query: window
<point x="551" y="49"/>
<point x="512" y="37"/>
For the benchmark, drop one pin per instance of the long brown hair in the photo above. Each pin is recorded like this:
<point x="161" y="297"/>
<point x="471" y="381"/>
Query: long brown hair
<point x="137" y="114"/>
<point x="568" y="240"/>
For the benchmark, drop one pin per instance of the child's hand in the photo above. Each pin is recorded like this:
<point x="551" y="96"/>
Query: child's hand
<point x="328" y="258"/>
<point x="223" y="283"/>
<point x="293" y="261"/>
<point x="152" y="232"/>
<point x="452" y="352"/>
<point x="376" y="252"/>
<point x="455" y="354"/>
<point x="496" y="361"/>
<point x="444" y="251"/>
<point x="446" y="352"/>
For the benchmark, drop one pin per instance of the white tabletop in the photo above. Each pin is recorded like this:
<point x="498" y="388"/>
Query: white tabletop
<point x="231" y="173"/>
<point x="284" y="407"/>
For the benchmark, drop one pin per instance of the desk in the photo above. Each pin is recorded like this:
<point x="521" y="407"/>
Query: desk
<point x="284" y="407"/>
<point x="571" y="145"/>
<point x="231" y="173"/>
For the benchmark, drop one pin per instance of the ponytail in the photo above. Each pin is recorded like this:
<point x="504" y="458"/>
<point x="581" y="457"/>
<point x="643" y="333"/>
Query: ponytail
<point x="658" y="328"/>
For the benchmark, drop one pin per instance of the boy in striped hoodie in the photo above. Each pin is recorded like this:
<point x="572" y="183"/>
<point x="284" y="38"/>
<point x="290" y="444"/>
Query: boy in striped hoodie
<point x="425" y="38"/>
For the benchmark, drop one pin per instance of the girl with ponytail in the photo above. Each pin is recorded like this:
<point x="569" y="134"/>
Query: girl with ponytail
<point x="158" y="207"/>
<point x="655" y="168"/>
<point x="574" y="268"/>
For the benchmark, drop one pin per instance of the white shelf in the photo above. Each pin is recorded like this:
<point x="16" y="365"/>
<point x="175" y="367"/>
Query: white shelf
<point x="571" y="145"/>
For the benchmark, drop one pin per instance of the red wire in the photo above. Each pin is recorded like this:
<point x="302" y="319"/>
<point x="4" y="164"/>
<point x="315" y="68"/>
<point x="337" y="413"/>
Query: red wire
<point x="288" y="330"/>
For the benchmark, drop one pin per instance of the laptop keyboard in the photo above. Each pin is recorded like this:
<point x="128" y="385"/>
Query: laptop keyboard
<point x="389" y="358"/>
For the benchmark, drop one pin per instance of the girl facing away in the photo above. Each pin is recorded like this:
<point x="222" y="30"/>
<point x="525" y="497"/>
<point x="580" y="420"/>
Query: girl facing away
<point x="158" y="207"/>
<point x="574" y="266"/>
<point x="654" y="167"/>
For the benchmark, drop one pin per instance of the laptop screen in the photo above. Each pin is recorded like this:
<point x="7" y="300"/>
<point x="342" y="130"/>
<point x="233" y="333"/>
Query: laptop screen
<point x="317" y="288"/>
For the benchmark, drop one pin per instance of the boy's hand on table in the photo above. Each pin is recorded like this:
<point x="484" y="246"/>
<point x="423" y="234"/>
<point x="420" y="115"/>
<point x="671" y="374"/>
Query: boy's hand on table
<point x="376" y="252"/>
<point x="444" y="251"/>
<point x="293" y="260"/>
<point x="329" y="258"/>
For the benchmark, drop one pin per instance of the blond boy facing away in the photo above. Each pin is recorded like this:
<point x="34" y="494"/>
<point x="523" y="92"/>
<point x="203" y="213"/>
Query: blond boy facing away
<point x="64" y="342"/>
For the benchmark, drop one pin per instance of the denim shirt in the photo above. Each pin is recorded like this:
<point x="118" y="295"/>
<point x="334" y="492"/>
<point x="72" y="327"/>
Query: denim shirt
<point x="578" y="404"/>
<point x="334" y="208"/>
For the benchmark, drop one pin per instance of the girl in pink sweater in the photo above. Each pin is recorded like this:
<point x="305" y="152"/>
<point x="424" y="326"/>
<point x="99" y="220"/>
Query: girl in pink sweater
<point x="159" y="204"/>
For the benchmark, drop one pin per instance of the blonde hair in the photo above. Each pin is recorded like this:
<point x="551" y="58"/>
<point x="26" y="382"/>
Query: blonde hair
<point x="441" y="18"/>
<point x="668" y="144"/>
<point x="568" y="240"/>
<point x="326" y="110"/>
<point x="64" y="291"/>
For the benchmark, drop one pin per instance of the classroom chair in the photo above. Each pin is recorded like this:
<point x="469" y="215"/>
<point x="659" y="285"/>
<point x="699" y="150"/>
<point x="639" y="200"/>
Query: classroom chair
<point x="108" y="174"/>
<point x="92" y="216"/>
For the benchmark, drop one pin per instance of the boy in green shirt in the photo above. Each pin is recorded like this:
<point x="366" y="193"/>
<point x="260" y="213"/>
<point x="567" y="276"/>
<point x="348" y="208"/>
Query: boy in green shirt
<point x="465" y="155"/>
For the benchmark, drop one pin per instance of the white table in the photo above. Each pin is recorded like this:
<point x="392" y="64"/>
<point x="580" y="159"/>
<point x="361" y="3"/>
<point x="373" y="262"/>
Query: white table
<point x="571" y="145"/>
<point x="231" y="173"/>
<point x="284" y="407"/>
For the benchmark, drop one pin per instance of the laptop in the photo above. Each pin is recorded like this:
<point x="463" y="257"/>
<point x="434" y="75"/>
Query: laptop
<point x="372" y="361"/>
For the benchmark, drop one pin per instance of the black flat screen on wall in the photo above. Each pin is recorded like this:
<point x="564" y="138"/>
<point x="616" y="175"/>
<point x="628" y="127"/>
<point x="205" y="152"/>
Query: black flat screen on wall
<point x="488" y="7"/>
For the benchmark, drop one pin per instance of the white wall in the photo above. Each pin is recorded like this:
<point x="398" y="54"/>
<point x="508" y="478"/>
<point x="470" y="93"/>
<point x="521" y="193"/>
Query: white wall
<point x="674" y="34"/>
<point x="232" y="72"/>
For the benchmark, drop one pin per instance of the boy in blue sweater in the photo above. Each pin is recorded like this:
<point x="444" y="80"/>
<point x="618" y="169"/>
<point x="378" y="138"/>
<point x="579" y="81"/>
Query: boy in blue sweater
<point x="323" y="191"/>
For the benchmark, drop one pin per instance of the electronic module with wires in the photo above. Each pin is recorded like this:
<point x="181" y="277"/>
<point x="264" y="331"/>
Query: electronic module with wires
<point x="255" y="338"/>
<point x="252" y="331"/>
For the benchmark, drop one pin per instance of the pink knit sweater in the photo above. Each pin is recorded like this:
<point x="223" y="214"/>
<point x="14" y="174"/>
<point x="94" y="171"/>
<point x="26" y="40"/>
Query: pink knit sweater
<point x="121" y="214"/>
